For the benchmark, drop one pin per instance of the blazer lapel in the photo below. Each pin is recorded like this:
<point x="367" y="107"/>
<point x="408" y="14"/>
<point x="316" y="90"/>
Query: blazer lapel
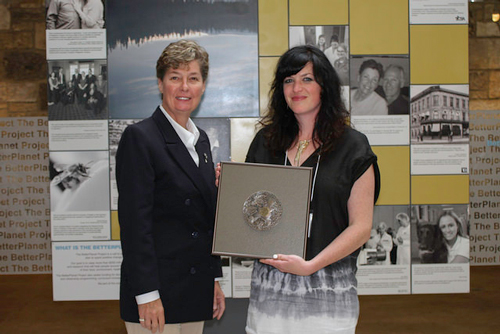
<point x="200" y="176"/>
<point x="206" y="169"/>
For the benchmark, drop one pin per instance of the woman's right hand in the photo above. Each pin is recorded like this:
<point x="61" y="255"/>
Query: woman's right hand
<point x="152" y="316"/>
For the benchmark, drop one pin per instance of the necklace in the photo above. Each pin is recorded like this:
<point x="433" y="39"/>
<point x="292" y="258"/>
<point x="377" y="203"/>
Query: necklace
<point x="312" y="189"/>
<point x="301" y="146"/>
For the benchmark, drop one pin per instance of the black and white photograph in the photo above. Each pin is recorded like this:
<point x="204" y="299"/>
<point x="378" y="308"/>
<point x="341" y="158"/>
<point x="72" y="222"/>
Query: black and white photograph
<point x="226" y="29"/>
<point x="75" y="29"/>
<point x="77" y="90"/>
<point x="439" y="114"/>
<point x="79" y="181"/>
<point x="74" y="14"/>
<point x="389" y="242"/>
<point x="332" y="40"/>
<point x="380" y="85"/>
<point x="440" y="234"/>
<point x="218" y="130"/>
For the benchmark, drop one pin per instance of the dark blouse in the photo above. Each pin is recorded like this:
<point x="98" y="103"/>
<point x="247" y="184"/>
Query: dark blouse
<point x="338" y="170"/>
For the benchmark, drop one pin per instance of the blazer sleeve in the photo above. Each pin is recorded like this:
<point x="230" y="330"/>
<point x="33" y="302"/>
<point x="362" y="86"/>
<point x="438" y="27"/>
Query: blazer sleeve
<point x="135" y="178"/>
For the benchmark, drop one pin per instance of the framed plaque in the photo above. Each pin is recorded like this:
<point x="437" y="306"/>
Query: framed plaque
<point x="262" y="210"/>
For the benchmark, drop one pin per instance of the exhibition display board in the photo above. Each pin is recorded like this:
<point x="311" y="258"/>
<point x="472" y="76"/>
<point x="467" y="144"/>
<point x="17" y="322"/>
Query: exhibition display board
<point x="416" y="119"/>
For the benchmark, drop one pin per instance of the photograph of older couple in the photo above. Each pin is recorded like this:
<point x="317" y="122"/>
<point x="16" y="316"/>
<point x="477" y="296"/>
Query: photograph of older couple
<point x="380" y="86"/>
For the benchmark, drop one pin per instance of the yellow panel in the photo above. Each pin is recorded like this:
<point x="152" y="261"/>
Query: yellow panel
<point x="115" y="226"/>
<point x="267" y="67"/>
<point x="273" y="27"/>
<point x="379" y="27"/>
<point x="440" y="189"/>
<point x="439" y="54"/>
<point x="319" y="12"/>
<point x="394" y="164"/>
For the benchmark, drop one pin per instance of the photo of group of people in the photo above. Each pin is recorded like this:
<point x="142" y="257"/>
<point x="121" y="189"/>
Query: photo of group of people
<point x="77" y="90"/>
<point x="389" y="241"/>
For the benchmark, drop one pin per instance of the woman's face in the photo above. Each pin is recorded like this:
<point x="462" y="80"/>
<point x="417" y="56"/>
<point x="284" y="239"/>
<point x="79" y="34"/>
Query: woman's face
<point x="341" y="52"/>
<point x="302" y="92"/>
<point x="368" y="81"/>
<point x="382" y="228"/>
<point x="182" y="89"/>
<point x="448" y="227"/>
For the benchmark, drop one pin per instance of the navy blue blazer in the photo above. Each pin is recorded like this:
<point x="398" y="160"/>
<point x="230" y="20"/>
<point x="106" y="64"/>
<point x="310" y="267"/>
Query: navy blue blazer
<point x="166" y="210"/>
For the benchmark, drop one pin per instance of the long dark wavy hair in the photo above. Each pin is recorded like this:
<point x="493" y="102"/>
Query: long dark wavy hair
<point x="280" y="125"/>
<point x="440" y="249"/>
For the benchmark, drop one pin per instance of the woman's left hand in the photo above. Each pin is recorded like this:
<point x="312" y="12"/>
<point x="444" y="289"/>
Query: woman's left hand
<point x="292" y="264"/>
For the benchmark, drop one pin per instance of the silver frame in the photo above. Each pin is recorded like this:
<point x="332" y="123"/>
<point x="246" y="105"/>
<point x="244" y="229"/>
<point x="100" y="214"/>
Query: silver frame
<point x="234" y="237"/>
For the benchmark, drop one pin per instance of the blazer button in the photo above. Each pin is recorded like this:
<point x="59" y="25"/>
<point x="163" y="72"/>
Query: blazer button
<point x="192" y="270"/>
<point x="195" y="234"/>
<point x="187" y="202"/>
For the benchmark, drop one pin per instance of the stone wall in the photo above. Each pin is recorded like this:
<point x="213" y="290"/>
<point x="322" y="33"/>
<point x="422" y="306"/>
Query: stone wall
<point x="484" y="56"/>
<point x="23" y="67"/>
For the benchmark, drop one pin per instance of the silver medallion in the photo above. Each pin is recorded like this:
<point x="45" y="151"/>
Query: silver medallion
<point x="262" y="210"/>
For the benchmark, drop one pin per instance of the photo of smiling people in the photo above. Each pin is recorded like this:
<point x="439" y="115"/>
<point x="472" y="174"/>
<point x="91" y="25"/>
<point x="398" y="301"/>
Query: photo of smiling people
<point x="380" y="86"/>
<point x="441" y="234"/>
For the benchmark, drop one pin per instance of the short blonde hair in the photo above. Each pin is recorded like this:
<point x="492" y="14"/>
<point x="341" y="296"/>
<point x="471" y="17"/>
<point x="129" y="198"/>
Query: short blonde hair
<point x="181" y="53"/>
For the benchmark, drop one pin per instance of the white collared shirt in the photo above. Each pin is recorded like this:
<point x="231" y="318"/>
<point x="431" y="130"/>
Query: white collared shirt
<point x="188" y="136"/>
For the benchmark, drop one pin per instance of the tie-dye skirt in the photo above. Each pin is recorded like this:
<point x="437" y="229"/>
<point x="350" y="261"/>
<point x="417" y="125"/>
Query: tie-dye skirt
<point x="325" y="302"/>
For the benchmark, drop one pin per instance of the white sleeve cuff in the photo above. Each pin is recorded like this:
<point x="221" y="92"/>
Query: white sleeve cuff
<point x="147" y="297"/>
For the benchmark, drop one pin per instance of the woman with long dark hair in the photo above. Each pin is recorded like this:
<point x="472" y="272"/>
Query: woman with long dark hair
<point x="307" y="125"/>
